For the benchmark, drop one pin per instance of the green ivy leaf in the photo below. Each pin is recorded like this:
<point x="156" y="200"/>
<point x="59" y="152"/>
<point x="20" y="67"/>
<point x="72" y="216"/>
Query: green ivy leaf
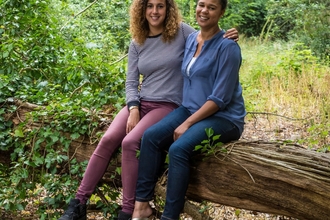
<point x="54" y="138"/>
<point x="75" y="136"/>
<point x="118" y="170"/>
<point x="19" y="132"/>
<point x="19" y="207"/>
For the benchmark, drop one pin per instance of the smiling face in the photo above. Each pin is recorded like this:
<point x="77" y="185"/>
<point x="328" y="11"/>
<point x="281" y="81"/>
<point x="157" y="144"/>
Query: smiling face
<point x="155" y="15"/>
<point x="208" y="13"/>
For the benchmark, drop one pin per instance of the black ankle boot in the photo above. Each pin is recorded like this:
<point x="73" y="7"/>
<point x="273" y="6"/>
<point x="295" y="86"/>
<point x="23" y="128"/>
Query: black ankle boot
<point x="75" y="211"/>
<point x="124" y="216"/>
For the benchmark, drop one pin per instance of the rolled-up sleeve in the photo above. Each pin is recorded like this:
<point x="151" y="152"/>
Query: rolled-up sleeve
<point x="226" y="81"/>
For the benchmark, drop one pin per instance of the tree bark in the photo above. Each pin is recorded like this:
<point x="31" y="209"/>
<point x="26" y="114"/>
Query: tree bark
<point x="274" y="178"/>
<point x="267" y="177"/>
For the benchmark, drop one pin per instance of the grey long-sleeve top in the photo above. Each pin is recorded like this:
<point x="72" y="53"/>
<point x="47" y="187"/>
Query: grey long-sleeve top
<point x="159" y="64"/>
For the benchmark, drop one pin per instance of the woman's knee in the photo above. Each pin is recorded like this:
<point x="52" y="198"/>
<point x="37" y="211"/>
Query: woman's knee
<point x="130" y="144"/>
<point x="177" y="152"/>
<point x="106" y="147"/>
<point x="151" y="133"/>
<point x="108" y="141"/>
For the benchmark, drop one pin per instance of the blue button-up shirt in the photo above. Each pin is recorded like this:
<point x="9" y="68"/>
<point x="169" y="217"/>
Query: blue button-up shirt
<point x="214" y="76"/>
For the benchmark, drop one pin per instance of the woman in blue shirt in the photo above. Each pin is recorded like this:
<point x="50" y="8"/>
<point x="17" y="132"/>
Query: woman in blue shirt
<point x="212" y="98"/>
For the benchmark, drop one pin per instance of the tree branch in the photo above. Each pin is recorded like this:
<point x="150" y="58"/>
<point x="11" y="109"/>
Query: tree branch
<point x="274" y="114"/>
<point x="79" y="13"/>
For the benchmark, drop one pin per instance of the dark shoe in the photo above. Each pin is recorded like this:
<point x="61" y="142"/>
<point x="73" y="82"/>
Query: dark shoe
<point x="75" y="211"/>
<point x="124" y="216"/>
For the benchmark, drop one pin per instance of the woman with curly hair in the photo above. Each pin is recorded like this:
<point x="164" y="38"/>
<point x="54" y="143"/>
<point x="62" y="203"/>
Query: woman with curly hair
<point x="156" y="53"/>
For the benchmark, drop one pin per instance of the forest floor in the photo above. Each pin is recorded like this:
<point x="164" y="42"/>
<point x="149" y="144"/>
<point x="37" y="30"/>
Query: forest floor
<point x="258" y="127"/>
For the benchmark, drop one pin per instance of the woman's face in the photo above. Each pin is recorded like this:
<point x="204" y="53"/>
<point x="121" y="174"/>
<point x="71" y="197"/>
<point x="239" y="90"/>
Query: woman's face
<point x="208" y="13"/>
<point x="155" y="14"/>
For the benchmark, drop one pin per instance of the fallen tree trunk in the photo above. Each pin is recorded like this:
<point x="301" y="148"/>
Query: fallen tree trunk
<point x="260" y="176"/>
<point x="267" y="177"/>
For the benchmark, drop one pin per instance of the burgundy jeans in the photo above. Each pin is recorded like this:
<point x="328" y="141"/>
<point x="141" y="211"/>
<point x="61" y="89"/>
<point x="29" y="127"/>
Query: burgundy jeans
<point x="115" y="136"/>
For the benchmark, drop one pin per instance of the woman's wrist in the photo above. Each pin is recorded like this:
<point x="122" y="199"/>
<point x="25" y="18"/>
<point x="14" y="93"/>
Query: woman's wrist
<point x="133" y="107"/>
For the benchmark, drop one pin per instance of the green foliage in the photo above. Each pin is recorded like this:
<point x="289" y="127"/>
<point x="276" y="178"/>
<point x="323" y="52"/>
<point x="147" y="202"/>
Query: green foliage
<point x="247" y="16"/>
<point x="187" y="9"/>
<point x="289" y="60"/>
<point x="294" y="59"/>
<point x="38" y="165"/>
<point x="108" y="207"/>
<point x="212" y="145"/>
<point x="42" y="60"/>
<point x="288" y="78"/>
<point x="51" y="62"/>
<point x="318" y="136"/>
<point x="307" y="21"/>
<point x="107" y="26"/>
<point x="6" y="91"/>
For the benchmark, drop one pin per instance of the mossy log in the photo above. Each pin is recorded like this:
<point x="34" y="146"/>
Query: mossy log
<point x="269" y="177"/>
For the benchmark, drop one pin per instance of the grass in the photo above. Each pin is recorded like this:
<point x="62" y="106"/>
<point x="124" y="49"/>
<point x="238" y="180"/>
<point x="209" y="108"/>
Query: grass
<point x="286" y="79"/>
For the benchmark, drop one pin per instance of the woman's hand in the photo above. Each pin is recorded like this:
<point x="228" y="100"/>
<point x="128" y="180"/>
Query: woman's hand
<point x="133" y="120"/>
<point x="180" y="130"/>
<point x="209" y="108"/>
<point x="232" y="34"/>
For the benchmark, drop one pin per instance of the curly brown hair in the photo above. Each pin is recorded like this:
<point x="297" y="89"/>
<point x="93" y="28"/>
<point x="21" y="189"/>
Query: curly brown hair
<point x="139" y="26"/>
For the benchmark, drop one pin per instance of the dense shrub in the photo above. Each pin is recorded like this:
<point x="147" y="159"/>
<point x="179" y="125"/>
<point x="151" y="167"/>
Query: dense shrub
<point x="303" y="20"/>
<point x="247" y="16"/>
<point x="48" y="58"/>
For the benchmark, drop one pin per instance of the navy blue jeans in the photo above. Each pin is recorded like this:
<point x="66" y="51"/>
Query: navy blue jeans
<point x="159" y="138"/>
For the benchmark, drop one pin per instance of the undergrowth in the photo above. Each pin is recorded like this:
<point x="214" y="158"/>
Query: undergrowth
<point x="285" y="78"/>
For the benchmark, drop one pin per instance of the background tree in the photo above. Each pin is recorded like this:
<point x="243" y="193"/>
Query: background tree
<point x="303" y="20"/>
<point x="247" y="16"/>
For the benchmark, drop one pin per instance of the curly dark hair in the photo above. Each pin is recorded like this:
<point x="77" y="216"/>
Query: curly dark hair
<point x="139" y="26"/>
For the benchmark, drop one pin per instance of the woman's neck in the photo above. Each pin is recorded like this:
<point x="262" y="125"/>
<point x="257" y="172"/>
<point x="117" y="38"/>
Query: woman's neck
<point x="209" y="33"/>
<point x="155" y="32"/>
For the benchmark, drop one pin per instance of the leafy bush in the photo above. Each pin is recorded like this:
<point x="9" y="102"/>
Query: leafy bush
<point x="307" y="21"/>
<point x="50" y="62"/>
<point x="247" y="16"/>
